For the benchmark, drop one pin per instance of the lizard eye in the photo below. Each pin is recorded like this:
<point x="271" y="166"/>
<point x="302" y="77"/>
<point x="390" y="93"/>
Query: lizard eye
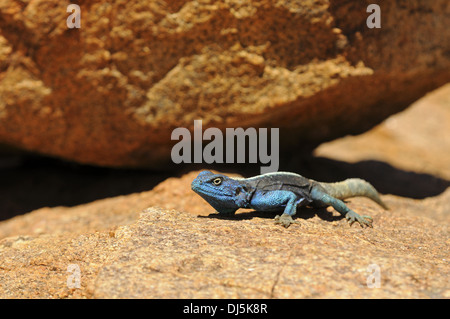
<point x="217" y="181"/>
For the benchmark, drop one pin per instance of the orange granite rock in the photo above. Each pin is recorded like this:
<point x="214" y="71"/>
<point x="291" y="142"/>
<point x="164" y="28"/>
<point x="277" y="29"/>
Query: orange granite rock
<point x="111" y="92"/>
<point x="88" y="232"/>
<point x="176" y="254"/>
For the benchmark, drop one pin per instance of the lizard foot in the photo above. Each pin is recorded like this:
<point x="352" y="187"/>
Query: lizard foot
<point x="352" y="217"/>
<point x="284" y="220"/>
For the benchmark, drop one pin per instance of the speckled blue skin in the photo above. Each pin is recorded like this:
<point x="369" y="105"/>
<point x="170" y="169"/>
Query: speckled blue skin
<point x="280" y="191"/>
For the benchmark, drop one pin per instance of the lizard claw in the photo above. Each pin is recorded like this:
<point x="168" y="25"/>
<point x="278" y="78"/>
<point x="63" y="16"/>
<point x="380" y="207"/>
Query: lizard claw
<point x="352" y="217"/>
<point x="284" y="220"/>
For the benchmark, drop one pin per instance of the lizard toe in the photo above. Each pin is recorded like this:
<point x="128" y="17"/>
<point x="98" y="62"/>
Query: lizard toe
<point x="366" y="220"/>
<point x="284" y="220"/>
<point x="353" y="217"/>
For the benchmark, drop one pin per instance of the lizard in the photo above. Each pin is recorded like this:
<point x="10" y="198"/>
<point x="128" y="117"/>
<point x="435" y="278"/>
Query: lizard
<point x="282" y="191"/>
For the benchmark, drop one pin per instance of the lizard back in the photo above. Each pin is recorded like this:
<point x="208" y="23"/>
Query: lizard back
<point x="299" y="185"/>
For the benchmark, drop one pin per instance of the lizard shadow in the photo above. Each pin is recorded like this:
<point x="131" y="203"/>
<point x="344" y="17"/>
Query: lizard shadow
<point x="302" y="213"/>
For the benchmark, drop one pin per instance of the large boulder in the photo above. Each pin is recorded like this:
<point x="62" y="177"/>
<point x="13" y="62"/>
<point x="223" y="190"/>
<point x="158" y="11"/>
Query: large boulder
<point x="111" y="92"/>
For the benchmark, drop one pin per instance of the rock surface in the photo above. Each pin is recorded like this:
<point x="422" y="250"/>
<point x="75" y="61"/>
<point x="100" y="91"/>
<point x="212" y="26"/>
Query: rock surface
<point x="164" y="243"/>
<point x="163" y="253"/>
<point x="111" y="92"/>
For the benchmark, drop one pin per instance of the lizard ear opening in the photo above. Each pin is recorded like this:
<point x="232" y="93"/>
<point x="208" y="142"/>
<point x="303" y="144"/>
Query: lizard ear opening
<point x="241" y="189"/>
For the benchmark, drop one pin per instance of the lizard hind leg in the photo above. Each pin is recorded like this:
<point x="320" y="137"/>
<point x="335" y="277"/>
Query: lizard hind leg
<point x="322" y="198"/>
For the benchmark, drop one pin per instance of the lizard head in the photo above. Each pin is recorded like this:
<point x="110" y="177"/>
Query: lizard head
<point x="218" y="190"/>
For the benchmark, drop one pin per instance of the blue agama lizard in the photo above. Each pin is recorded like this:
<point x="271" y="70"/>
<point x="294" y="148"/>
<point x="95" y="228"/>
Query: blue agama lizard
<point x="282" y="191"/>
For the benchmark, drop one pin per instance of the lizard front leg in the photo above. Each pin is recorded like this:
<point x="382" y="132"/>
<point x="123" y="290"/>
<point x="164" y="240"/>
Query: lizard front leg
<point x="322" y="198"/>
<point x="276" y="200"/>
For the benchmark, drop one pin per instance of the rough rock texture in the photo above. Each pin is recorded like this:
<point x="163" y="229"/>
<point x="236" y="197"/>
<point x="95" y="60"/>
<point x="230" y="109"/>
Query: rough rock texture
<point x="164" y="243"/>
<point x="163" y="253"/>
<point x="111" y="92"/>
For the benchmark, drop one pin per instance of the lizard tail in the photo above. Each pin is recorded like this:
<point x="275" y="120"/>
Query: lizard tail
<point x="353" y="187"/>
